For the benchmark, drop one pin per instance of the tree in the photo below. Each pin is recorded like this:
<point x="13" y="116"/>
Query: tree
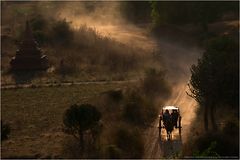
<point x="80" y="118"/>
<point x="214" y="80"/>
<point x="200" y="13"/>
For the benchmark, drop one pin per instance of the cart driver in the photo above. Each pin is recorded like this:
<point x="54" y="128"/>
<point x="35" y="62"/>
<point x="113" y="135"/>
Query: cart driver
<point x="166" y="116"/>
<point x="175" y="117"/>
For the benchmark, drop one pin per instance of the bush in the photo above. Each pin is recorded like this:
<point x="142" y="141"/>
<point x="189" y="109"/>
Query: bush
<point x="62" y="33"/>
<point x="216" y="144"/>
<point x="154" y="84"/>
<point x="112" y="152"/>
<point x="5" y="131"/>
<point x="80" y="118"/>
<point x="138" y="109"/>
<point x="115" y="95"/>
<point x="130" y="142"/>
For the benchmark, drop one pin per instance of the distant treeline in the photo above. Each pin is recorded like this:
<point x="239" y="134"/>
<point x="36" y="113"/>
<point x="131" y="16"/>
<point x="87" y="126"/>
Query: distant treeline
<point x="161" y="12"/>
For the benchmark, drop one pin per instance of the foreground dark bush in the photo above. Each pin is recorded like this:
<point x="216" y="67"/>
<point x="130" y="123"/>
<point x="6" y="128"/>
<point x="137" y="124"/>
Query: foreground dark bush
<point x="5" y="131"/>
<point x="113" y="152"/>
<point x="217" y="145"/>
<point x="80" y="118"/>
<point x="130" y="142"/>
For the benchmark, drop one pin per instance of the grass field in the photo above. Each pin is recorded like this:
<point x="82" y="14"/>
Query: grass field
<point x="35" y="117"/>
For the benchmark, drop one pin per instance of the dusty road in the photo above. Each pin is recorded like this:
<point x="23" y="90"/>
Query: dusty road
<point x="178" y="59"/>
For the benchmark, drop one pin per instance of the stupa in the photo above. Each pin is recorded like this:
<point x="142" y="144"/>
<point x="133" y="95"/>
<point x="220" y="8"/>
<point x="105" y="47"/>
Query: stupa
<point x="29" y="56"/>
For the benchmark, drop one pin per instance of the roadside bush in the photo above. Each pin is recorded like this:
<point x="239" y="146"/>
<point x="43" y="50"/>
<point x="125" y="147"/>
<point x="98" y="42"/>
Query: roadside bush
<point x="138" y="109"/>
<point x="5" y="131"/>
<point x="130" y="142"/>
<point x="216" y="144"/>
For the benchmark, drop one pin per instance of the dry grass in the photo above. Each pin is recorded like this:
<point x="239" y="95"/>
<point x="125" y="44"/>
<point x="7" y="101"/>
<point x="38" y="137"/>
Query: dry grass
<point x="35" y="117"/>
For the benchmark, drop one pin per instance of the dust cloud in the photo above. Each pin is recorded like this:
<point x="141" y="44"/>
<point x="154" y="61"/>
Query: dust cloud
<point x="106" y="18"/>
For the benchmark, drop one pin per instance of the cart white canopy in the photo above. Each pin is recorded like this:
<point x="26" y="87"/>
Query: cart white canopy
<point x="170" y="108"/>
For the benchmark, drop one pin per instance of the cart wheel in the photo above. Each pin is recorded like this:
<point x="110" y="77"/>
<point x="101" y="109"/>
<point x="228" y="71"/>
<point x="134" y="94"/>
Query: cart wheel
<point x="179" y="122"/>
<point x="160" y="127"/>
<point x="180" y="127"/>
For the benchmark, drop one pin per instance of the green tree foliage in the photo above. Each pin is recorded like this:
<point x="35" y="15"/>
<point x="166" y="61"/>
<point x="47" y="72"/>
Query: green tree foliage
<point x="80" y="118"/>
<point x="216" y="145"/>
<point x="209" y="152"/>
<point x="214" y="80"/>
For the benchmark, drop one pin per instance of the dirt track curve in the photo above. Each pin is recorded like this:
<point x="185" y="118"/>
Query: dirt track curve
<point x="178" y="59"/>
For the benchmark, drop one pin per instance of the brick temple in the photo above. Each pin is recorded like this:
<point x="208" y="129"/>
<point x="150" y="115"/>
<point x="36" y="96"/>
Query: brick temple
<point x="29" y="56"/>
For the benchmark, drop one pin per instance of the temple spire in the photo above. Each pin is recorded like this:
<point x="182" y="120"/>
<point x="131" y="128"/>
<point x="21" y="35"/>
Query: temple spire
<point x="29" y="56"/>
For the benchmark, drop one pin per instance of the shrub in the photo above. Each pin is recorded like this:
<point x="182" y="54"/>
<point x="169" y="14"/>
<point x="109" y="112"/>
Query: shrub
<point x="112" y="152"/>
<point x="115" y="95"/>
<point x="154" y="84"/>
<point x="80" y="118"/>
<point x="216" y="144"/>
<point x="62" y="33"/>
<point x="5" y="131"/>
<point x="138" y="109"/>
<point x="130" y="142"/>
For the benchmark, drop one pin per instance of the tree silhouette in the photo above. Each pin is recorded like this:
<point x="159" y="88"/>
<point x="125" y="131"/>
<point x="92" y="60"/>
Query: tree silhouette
<point x="214" y="80"/>
<point x="80" y="118"/>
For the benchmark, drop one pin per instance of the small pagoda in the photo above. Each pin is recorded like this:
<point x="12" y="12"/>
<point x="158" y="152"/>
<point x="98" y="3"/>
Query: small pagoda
<point x="29" y="56"/>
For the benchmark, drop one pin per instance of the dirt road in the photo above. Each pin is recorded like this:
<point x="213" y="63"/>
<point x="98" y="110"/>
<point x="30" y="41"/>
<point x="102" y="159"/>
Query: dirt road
<point x="178" y="56"/>
<point x="178" y="59"/>
<point x="29" y="85"/>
